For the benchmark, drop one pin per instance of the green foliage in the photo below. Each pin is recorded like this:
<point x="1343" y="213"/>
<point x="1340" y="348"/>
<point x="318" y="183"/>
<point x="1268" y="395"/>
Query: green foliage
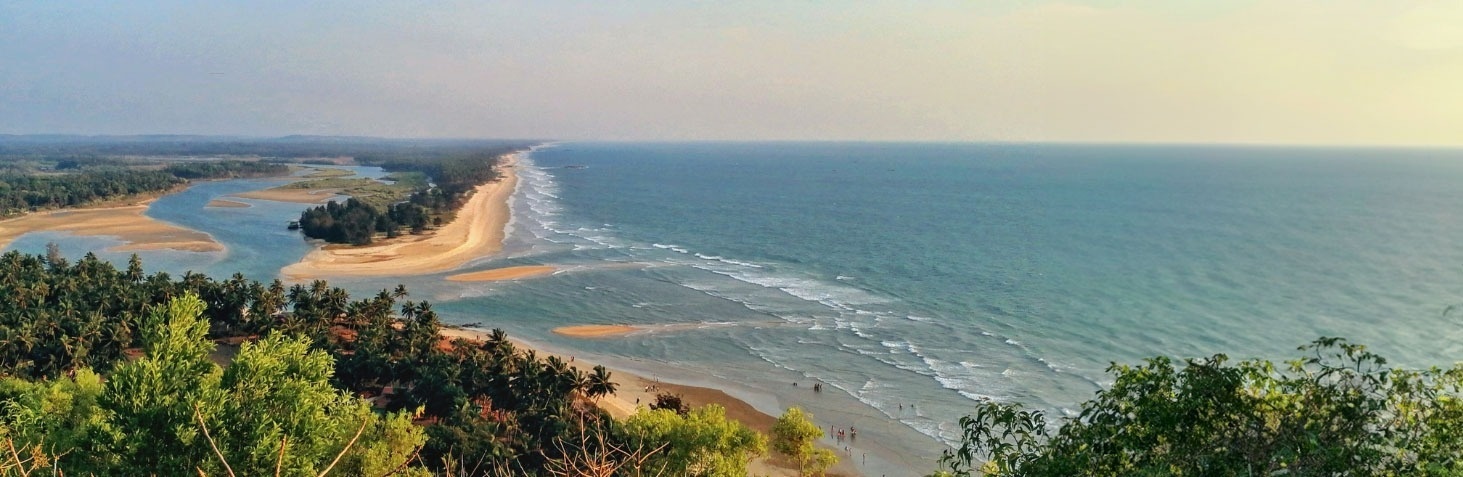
<point x="22" y="192"/>
<point x="153" y="399"/>
<point x="700" y="443"/>
<point x="1339" y="410"/>
<point x="487" y="402"/>
<point x="670" y="402"/>
<point x="796" y="436"/>
<point x="167" y="412"/>
<point x="225" y="169"/>
<point x="59" y="414"/>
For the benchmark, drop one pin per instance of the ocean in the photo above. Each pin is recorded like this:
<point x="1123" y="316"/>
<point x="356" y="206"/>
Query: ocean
<point x="912" y="280"/>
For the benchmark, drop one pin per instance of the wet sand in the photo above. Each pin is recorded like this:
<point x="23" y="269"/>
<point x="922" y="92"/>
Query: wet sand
<point x="226" y="204"/>
<point x="300" y="196"/>
<point x="506" y="273"/>
<point x="126" y="223"/>
<point x="477" y="231"/>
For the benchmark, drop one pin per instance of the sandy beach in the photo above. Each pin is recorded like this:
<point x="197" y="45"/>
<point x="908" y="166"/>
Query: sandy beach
<point x="126" y="223"/>
<point x="477" y="231"/>
<point x="506" y="273"/>
<point x="595" y="331"/>
<point x="636" y="392"/>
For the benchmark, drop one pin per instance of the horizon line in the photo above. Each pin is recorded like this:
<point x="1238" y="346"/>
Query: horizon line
<point x="1254" y="144"/>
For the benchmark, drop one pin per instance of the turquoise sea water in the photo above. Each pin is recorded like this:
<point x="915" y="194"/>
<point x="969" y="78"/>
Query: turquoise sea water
<point x="912" y="279"/>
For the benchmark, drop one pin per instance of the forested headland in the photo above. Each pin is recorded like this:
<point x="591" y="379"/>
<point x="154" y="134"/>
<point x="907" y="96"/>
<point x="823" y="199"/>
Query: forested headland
<point x="453" y="174"/>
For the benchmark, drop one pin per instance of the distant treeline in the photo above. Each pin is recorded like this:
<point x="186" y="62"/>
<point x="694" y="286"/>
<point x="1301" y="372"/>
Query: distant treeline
<point x="453" y="174"/>
<point x="87" y="181"/>
<point x="368" y="150"/>
<point x="23" y="192"/>
<point x="226" y="169"/>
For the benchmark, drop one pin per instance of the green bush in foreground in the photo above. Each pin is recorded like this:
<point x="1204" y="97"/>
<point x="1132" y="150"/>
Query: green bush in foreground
<point x="703" y="442"/>
<point x="1338" y="411"/>
<point x="175" y="412"/>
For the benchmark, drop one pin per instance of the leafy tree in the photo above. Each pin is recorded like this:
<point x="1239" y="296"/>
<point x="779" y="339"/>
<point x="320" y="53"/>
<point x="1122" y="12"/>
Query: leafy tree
<point x="670" y="402"/>
<point x="600" y="383"/>
<point x="701" y="443"/>
<point x="795" y="436"/>
<point x="1339" y="410"/>
<point x="174" y="412"/>
<point x="154" y="399"/>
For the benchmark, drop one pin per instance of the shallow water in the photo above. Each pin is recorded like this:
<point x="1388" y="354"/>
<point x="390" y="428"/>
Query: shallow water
<point x="913" y="279"/>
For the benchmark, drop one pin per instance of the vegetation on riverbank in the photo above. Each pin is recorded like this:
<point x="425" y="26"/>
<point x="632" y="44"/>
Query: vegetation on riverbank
<point x="35" y="182"/>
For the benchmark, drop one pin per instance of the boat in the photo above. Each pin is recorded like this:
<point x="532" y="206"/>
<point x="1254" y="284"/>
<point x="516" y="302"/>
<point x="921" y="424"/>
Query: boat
<point x="294" y="225"/>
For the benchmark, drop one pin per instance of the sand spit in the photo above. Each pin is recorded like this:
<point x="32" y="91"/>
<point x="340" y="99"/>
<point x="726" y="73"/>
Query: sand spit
<point x="126" y="223"/>
<point x="222" y="203"/>
<point x="301" y="196"/>
<point x="477" y="231"/>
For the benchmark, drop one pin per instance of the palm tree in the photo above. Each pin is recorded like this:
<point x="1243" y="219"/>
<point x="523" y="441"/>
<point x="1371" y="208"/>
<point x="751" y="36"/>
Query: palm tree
<point x="600" y="383"/>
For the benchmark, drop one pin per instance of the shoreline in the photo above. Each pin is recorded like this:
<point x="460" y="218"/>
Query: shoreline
<point x="636" y="391"/>
<point x="476" y="232"/>
<point x="127" y="223"/>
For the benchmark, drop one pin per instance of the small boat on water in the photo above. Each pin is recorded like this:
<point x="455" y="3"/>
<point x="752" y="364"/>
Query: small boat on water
<point x="294" y="225"/>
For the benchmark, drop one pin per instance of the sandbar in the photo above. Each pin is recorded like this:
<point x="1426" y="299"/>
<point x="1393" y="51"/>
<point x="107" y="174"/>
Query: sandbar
<point x="126" y="223"/>
<point x="226" y="204"/>
<point x="595" y="331"/>
<point x="301" y="196"/>
<point x="477" y="231"/>
<point x="506" y="273"/>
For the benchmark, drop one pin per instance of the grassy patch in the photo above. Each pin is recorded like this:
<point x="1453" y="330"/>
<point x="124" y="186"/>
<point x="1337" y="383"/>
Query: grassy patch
<point x="370" y="191"/>
<point x="412" y="179"/>
<point x="321" y="173"/>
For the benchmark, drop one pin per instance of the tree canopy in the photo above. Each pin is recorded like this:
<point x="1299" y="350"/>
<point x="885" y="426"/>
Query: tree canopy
<point x="1339" y="410"/>
<point x="175" y="412"/>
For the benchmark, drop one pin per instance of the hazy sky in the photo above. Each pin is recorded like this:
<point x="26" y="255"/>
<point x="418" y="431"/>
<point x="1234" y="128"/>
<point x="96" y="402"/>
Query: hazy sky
<point x="1313" y="72"/>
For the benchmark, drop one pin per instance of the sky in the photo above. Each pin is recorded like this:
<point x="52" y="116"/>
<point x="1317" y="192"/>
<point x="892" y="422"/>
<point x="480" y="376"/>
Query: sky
<point x="1332" y="72"/>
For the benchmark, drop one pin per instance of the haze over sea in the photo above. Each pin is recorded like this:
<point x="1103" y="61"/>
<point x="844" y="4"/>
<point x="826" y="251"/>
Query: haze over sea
<point x="929" y="275"/>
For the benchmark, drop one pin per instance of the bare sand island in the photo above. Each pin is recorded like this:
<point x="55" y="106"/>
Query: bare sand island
<point x="302" y="196"/>
<point x="607" y="331"/>
<point x="226" y="204"/>
<point x="636" y="392"/>
<point x="595" y="331"/>
<point x="126" y="223"/>
<point x="506" y="273"/>
<point x="477" y="231"/>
